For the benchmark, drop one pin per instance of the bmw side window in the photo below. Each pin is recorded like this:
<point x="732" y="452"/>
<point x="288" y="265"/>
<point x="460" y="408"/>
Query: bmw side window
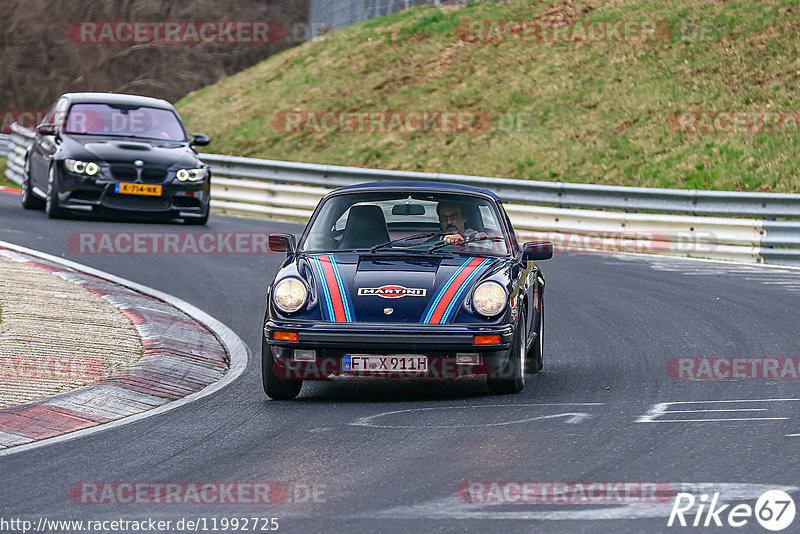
<point x="56" y="114"/>
<point x="61" y="113"/>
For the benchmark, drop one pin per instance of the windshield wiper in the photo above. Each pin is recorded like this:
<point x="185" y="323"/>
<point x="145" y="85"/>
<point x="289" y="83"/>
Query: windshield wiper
<point x="407" y="238"/>
<point x="484" y="238"/>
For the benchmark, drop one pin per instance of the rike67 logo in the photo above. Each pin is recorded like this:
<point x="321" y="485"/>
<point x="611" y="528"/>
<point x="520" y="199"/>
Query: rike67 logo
<point x="774" y="510"/>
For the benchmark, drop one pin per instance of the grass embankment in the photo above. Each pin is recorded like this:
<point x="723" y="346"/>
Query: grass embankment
<point x="5" y="182"/>
<point x="599" y="110"/>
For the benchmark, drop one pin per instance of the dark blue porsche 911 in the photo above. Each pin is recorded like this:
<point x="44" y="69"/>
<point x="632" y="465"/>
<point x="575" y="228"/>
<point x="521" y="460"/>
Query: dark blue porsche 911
<point x="406" y="280"/>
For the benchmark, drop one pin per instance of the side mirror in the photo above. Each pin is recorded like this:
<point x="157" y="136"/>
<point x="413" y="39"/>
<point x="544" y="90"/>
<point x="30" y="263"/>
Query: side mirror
<point x="46" y="128"/>
<point x="537" y="250"/>
<point x="199" y="139"/>
<point x="281" y="243"/>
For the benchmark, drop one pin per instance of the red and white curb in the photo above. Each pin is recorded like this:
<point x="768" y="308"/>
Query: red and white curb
<point x="187" y="355"/>
<point x="10" y="190"/>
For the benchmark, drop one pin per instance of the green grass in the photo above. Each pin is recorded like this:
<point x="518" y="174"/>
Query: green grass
<point x="5" y="182"/>
<point x="593" y="112"/>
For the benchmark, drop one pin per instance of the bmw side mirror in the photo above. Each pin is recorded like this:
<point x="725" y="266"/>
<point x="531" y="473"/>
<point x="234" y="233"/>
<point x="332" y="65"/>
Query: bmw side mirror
<point x="281" y="243"/>
<point x="537" y="250"/>
<point x="46" y="128"/>
<point x="199" y="139"/>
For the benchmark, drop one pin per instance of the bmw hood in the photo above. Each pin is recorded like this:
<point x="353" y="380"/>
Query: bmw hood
<point x="152" y="152"/>
<point x="400" y="288"/>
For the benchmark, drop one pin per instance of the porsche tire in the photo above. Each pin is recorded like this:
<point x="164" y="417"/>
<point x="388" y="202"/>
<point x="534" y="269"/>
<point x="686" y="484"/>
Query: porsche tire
<point x="276" y="388"/>
<point x="536" y="352"/>
<point x="510" y="378"/>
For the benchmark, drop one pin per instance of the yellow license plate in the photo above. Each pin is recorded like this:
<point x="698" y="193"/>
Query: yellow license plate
<point x="138" y="189"/>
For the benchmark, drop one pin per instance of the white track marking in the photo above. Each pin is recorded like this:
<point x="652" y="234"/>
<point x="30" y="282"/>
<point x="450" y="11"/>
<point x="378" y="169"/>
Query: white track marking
<point x="657" y="411"/>
<point x="786" y="278"/>
<point x="237" y="350"/>
<point x="571" y="417"/>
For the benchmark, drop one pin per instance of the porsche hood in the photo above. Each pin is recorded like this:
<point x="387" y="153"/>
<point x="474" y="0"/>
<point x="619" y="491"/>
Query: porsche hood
<point x="350" y="287"/>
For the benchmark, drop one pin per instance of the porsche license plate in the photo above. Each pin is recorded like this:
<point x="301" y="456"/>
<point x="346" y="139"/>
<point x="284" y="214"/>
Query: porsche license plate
<point x="138" y="189"/>
<point x="385" y="364"/>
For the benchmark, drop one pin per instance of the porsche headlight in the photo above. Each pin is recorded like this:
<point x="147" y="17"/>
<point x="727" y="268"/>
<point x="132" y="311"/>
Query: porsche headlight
<point x="489" y="299"/>
<point x="77" y="166"/>
<point x="191" y="175"/>
<point x="289" y="295"/>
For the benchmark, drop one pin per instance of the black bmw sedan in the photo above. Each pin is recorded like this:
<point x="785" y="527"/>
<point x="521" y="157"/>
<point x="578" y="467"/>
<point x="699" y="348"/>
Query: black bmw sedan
<point x="115" y="153"/>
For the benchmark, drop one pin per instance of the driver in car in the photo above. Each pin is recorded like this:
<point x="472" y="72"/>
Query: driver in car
<point x="453" y="222"/>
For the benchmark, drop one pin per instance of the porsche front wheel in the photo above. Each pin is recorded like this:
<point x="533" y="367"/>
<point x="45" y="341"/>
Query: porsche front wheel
<point x="275" y="387"/>
<point x="536" y="352"/>
<point x="510" y="378"/>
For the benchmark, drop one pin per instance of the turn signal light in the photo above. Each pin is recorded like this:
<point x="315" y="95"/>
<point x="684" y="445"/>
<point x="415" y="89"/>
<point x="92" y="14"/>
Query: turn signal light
<point x="486" y="340"/>
<point x="285" y="336"/>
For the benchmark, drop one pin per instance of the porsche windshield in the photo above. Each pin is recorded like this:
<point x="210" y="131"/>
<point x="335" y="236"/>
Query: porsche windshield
<point x="413" y="221"/>
<point x="124" y="121"/>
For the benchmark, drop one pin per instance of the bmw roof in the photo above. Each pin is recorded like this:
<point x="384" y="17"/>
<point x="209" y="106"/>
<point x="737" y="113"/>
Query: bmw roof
<point x="419" y="186"/>
<point x="117" y="99"/>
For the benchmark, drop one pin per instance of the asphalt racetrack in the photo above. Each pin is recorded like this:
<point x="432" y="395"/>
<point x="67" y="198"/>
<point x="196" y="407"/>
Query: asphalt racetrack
<point x="389" y="456"/>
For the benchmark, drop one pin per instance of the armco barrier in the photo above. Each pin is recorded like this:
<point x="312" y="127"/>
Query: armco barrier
<point x="18" y="140"/>
<point x="5" y="145"/>
<point x="685" y="222"/>
<point x="556" y="194"/>
<point x="287" y="189"/>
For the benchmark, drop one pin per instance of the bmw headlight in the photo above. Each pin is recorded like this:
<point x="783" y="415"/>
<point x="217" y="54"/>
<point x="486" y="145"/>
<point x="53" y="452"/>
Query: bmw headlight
<point x="489" y="298"/>
<point x="77" y="166"/>
<point x="191" y="175"/>
<point x="289" y="295"/>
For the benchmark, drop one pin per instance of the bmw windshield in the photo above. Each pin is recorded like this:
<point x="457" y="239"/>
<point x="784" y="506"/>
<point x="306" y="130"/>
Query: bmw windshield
<point x="124" y="121"/>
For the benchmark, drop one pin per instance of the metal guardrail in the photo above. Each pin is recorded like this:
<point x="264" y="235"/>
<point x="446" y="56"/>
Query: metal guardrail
<point x="335" y="14"/>
<point x="5" y="145"/>
<point x="687" y="225"/>
<point x="539" y="210"/>
<point x="557" y="194"/>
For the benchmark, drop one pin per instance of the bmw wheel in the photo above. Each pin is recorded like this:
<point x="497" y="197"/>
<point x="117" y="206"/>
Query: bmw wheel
<point x="198" y="220"/>
<point x="28" y="200"/>
<point x="51" y="207"/>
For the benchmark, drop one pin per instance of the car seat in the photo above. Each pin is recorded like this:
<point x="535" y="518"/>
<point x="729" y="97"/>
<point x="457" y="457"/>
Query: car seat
<point x="366" y="227"/>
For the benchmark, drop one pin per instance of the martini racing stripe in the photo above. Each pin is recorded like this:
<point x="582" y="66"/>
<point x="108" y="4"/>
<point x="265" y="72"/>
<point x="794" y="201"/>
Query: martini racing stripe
<point x="336" y="303"/>
<point x="443" y="305"/>
<point x="346" y="300"/>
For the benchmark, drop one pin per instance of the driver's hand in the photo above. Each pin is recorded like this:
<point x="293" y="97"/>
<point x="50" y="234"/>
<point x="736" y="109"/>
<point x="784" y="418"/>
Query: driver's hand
<point x="452" y="239"/>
